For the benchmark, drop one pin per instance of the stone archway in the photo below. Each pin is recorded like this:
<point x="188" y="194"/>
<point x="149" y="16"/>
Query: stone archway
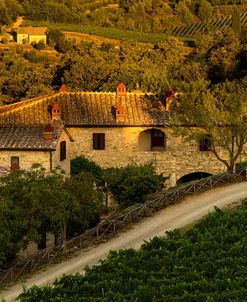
<point x="192" y="176"/>
<point x="152" y="140"/>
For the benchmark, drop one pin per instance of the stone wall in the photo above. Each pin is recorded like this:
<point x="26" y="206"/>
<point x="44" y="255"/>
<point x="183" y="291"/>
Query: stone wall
<point x="125" y="145"/>
<point x="26" y="158"/>
<point x="48" y="159"/>
<point x="65" y="164"/>
<point x="37" y="38"/>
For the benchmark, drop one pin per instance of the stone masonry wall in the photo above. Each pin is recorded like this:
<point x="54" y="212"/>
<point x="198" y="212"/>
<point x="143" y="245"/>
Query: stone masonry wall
<point x="26" y="158"/>
<point x="65" y="164"/>
<point x="125" y="145"/>
<point x="47" y="159"/>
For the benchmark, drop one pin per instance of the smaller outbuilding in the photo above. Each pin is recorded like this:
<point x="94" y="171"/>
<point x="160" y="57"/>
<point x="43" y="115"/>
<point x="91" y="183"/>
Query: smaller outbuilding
<point x="31" y="35"/>
<point x="21" y="146"/>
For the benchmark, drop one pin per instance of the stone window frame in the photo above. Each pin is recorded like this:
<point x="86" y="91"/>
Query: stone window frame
<point x="99" y="141"/>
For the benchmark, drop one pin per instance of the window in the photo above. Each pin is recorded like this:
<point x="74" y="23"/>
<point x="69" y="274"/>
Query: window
<point x="99" y="141"/>
<point x="205" y="144"/>
<point x="157" y="140"/>
<point x="62" y="150"/>
<point x="14" y="163"/>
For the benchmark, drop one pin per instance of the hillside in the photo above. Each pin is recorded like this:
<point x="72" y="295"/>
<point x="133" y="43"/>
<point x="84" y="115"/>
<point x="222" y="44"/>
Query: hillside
<point x="154" y="16"/>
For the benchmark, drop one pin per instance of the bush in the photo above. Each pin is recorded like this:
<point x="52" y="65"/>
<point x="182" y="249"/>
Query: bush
<point x="132" y="183"/>
<point x="39" y="46"/>
<point x="4" y="40"/>
<point x="82" y="164"/>
<point x="33" y="56"/>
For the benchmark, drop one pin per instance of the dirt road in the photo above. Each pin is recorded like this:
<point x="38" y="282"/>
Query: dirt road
<point x="191" y="209"/>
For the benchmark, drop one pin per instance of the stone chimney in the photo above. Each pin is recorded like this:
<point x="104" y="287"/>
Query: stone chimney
<point x="56" y="112"/>
<point x="48" y="133"/>
<point x="121" y="90"/>
<point x="120" y="114"/>
<point x="63" y="88"/>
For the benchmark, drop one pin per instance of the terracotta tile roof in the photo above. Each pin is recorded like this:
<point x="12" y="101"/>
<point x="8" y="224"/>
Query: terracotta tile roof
<point x="27" y="137"/>
<point x="89" y="109"/>
<point x="32" y="30"/>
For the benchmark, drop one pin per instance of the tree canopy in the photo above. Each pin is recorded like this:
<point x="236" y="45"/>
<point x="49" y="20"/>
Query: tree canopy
<point x="219" y="112"/>
<point x="33" y="202"/>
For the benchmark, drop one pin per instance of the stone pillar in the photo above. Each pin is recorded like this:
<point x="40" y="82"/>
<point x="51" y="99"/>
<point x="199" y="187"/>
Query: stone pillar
<point x="173" y="180"/>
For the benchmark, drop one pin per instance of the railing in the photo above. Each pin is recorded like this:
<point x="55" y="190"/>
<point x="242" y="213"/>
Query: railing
<point x="109" y="228"/>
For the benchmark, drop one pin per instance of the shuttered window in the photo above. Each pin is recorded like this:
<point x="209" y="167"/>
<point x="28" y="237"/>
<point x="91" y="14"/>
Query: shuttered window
<point x="99" y="141"/>
<point x="62" y="150"/>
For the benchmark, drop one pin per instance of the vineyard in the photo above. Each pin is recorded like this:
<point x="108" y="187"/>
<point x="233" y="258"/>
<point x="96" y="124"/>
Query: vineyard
<point x="192" y="29"/>
<point x="206" y="262"/>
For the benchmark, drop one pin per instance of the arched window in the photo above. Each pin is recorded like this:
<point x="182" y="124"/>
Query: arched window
<point x="152" y="140"/>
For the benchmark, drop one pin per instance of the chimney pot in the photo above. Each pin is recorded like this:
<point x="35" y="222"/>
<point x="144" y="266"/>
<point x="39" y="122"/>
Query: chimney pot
<point x="63" y="88"/>
<point x="121" y="90"/>
<point x="120" y="114"/>
<point x="56" y="112"/>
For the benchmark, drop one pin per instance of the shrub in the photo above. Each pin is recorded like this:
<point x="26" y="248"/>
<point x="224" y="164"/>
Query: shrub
<point x="39" y="46"/>
<point x="4" y="40"/>
<point x="132" y="183"/>
<point x="82" y="164"/>
<point x="33" y="56"/>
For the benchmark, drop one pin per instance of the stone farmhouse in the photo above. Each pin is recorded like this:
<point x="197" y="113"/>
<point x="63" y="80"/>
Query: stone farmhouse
<point x="31" y="34"/>
<point x="113" y="129"/>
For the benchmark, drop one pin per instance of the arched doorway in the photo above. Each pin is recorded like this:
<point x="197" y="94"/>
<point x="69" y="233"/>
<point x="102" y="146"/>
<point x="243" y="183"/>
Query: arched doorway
<point x="152" y="140"/>
<point x="192" y="176"/>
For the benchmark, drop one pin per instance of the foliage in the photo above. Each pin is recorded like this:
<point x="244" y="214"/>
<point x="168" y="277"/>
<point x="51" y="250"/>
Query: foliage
<point x="131" y="63"/>
<point x="219" y="112"/>
<point x="32" y="201"/>
<point x="4" y="40"/>
<point x="57" y="39"/>
<point x="39" y="45"/>
<point x="28" y="73"/>
<point x="205" y="263"/>
<point x="9" y="11"/>
<point x="220" y="50"/>
<point x="89" y="200"/>
<point x="24" y="74"/>
<point x="146" y="16"/>
<point x="82" y="164"/>
<point x="33" y="56"/>
<point x="132" y="183"/>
